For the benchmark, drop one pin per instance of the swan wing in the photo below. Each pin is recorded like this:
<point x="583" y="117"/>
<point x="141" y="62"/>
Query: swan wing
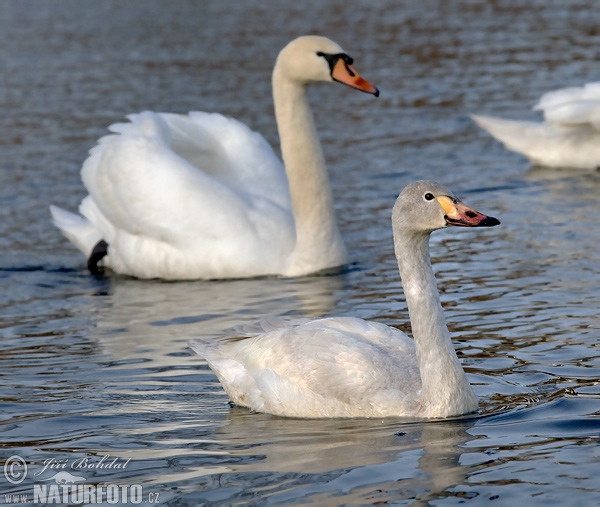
<point x="333" y="367"/>
<point x="572" y="106"/>
<point x="582" y="113"/>
<point x="230" y="152"/>
<point x="164" y="188"/>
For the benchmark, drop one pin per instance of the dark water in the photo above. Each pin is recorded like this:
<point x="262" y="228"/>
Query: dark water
<point x="101" y="367"/>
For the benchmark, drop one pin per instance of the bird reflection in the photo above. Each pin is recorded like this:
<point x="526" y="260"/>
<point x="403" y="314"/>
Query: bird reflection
<point x="139" y="314"/>
<point x="402" y="455"/>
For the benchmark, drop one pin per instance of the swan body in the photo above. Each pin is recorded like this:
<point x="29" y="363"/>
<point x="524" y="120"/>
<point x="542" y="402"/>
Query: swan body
<point x="200" y="196"/>
<point x="349" y="367"/>
<point x="569" y="136"/>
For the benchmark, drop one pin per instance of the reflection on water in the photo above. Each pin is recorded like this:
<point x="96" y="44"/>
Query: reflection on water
<point x="355" y="455"/>
<point x="165" y="316"/>
<point x="101" y="366"/>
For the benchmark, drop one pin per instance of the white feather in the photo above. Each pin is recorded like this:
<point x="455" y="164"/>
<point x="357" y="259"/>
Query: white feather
<point x="319" y="368"/>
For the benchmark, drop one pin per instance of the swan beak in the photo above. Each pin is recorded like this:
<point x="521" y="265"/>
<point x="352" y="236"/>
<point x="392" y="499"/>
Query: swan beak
<point x="457" y="213"/>
<point x="343" y="72"/>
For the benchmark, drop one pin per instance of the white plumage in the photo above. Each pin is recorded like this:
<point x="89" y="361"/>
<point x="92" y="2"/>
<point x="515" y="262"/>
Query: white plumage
<point x="349" y="367"/>
<point x="202" y="196"/>
<point x="569" y="136"/>
<point x="310" y="369"/>
<point x="163" y="217"/>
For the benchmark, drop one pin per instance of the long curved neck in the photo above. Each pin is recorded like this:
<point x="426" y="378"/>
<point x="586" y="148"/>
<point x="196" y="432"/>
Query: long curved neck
<point x="319" y="244"/>
<point x="445" y="388"/>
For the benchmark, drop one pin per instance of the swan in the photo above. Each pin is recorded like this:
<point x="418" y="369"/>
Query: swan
<point x="201" y="196"/>
<point x="569" y="136"/>
<point x="349" y="367"/>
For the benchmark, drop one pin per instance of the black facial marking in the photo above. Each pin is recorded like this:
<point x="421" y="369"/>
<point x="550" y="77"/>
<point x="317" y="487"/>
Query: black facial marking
<point x="333" y="59"/>
<point x="348" y="59"/>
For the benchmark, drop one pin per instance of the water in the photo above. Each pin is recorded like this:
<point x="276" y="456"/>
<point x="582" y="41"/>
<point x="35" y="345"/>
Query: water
<point x="95" y="367"/>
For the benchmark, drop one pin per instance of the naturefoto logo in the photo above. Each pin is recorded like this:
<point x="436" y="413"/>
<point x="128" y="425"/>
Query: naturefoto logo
<point x="64" y="487"/>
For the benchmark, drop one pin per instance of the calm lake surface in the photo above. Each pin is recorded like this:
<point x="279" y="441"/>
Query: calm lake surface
<point x="101" y="367"/>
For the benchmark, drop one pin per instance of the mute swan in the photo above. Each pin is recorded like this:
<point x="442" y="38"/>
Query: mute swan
<point x="569" y="136"/>
<point x="349" y="367"/>
<point x="202" y="196"/>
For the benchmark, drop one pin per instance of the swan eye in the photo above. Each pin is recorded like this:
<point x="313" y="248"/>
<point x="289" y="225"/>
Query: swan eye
<point x="429" y="196"/>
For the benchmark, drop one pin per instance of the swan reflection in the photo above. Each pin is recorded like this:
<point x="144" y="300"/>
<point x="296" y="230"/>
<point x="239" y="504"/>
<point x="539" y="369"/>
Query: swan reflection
<point x="142" y="315"/>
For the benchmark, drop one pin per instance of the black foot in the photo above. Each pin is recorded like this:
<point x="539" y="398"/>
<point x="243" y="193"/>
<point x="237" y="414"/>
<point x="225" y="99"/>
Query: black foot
<point x="98" y="253"/>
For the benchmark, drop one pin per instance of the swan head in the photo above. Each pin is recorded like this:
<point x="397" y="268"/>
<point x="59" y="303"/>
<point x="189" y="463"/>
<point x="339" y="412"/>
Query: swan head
<point x="425" y="206"/>
<point x="313" y="58"/>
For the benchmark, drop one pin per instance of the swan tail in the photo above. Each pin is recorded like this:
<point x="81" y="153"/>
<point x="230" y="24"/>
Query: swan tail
<point x="242" y="386"/>
<point x="231" y="373"/>
<point x="519" y="136"/>
<point x="200" y="347"/>
<point x="78" y="230"/>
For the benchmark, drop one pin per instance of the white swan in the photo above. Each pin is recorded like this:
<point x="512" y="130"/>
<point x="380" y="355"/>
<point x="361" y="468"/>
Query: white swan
<point x="349" y="367"/>
<point x="569" y="136"/>
<point x="202" y="196"/>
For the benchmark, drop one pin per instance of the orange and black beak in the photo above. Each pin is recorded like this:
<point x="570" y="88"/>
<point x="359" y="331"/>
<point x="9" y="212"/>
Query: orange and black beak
<point x="459" y="214"/>
<point x="343" y="72"/>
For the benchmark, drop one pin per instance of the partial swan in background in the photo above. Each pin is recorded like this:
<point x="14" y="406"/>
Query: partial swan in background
<point x="202" y="196"/>
<point x="349" y="367"/>
<point x="569" y="136"/>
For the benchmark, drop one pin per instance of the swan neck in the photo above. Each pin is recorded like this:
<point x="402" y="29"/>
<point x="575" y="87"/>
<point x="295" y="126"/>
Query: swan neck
<point x="445" y="387"/>
<point x="318" y="239"/>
